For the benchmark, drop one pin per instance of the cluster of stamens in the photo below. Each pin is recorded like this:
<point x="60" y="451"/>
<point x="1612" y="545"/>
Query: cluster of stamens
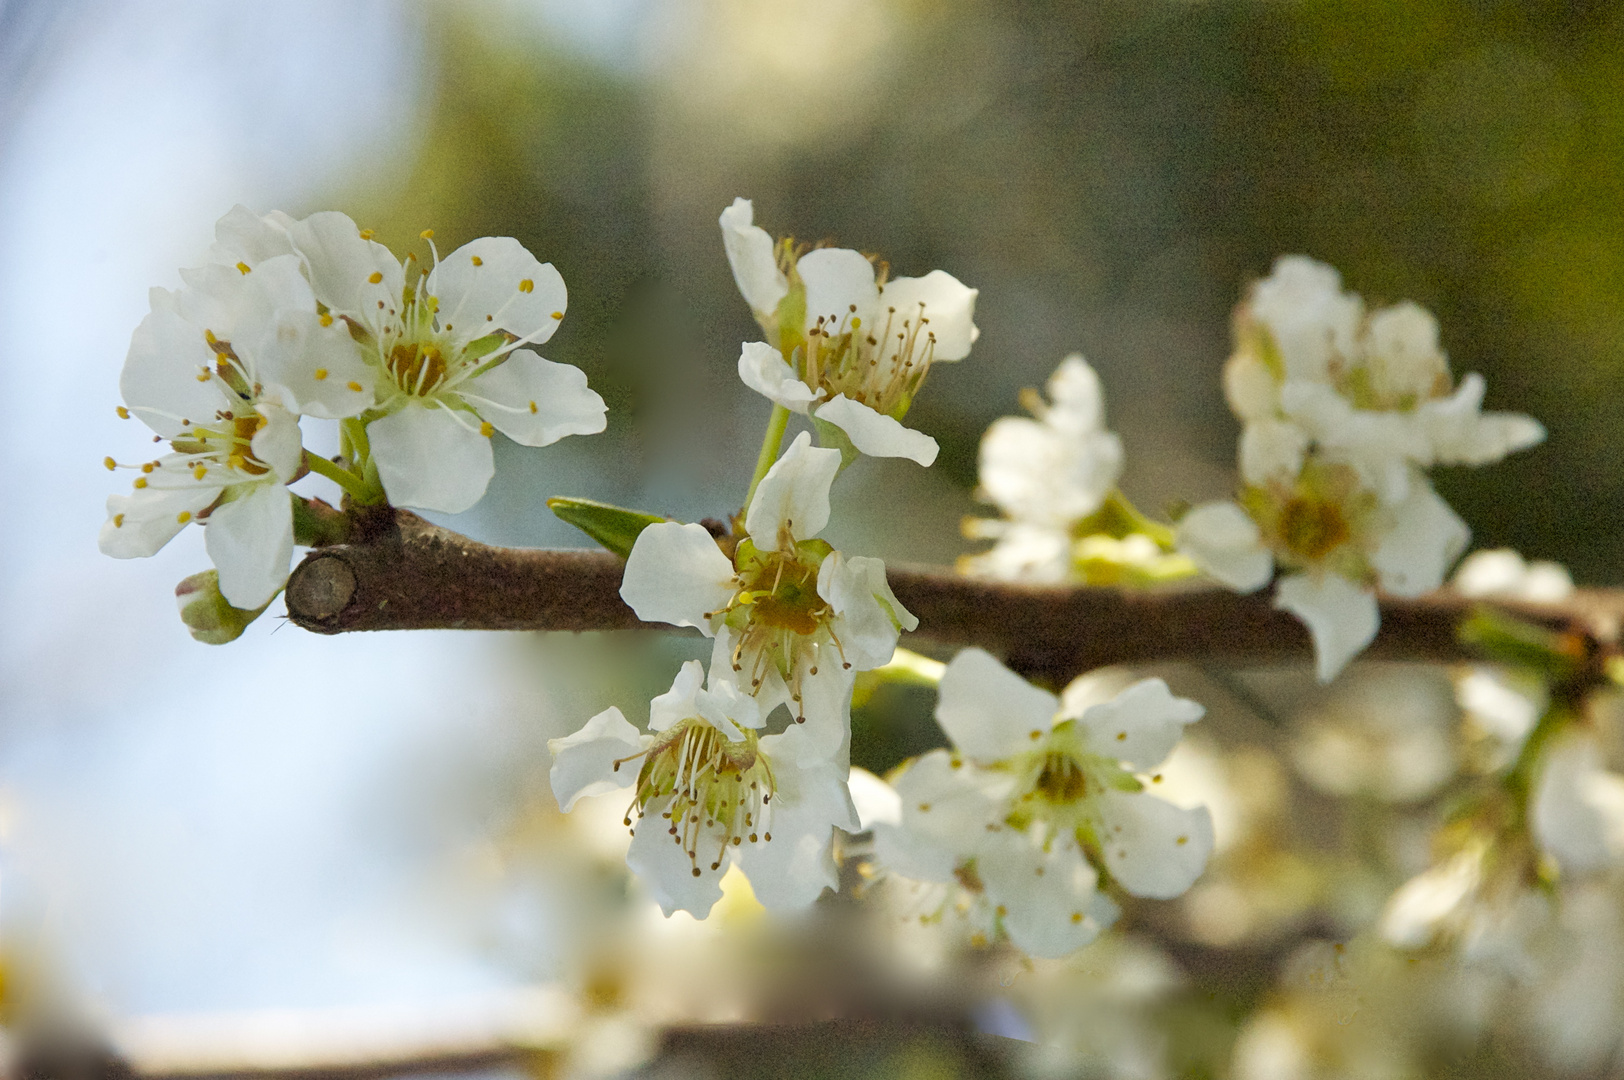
<point x="776" y="613"/>
<point x="708" y="786"/>
<point x="881" y="366"/>
<point x="1317" y="521"/>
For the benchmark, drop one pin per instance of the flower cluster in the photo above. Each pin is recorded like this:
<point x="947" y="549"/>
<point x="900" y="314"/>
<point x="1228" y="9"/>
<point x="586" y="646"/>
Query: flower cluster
<point x="1343" y="410"/>
<point x="1041" y="801"/>
<point x="313" y="318"/>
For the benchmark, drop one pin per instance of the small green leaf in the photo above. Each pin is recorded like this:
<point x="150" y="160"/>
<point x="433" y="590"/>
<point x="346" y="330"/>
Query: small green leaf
<point x="315" y="524"/>
<point x="1505" y="638"/>
<point x="612" y="526"/>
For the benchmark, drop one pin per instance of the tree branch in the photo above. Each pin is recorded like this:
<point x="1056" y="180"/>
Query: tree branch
<point x="407" y="574"/>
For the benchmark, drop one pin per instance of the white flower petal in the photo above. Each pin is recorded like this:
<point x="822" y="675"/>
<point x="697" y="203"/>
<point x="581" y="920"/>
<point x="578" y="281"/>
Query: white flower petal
<point x="1272" y="450"/>
<point x="1040" y="474"/>
<point x="876" y="434"/>
<point x="951" y="806"/>
<point x="824" y="710"/>
<point x="1045" y="897"/>
<point x="1462" y="434"/>
<point x="763" y="370"/>
<point x="341" y="266"/>
<point x="875" y="801"/>
<point x="794" y="494"/>
<point x="949" y="310"/>
<point x="837" y="280"/>
<point x="676" y="574"/>
<point x="913" y="855"/>
<point x="160" y="378"/>
<point x="681" y="701"/>
<point x="1153" y="848"/>
<point x="1250" y="388"/>
<point x="1405" y="361"/>
<point x="871" y="614"/>
<point x="428" y="460"/>
<point x="1341" y="617"/>
<point x="1225" y="543"/>
<point x="584" y="762"/>
<point x="1140" y="725"/>
<point x="246" y="237"/>
<point x="1312" y="320"/>
<point x="664" y="867"/>
<point x="250" y="540"/>
<point x="989" y="711"/>
<point x="750" y="255"/>
<point x="727" y="708"/>
<point x="1578" y="807"/>
<point x="278" y="444"/>
<point x="535" y="402"/>
<point x="141" y="523"/>
<point x="793" y="868"/>
<point x="771" y="692"/>
<point x="1417" y="908"/>
<point x="1077" y="396"/>
<point x="492" y="284"/>
<point x="1426" y="539"/>
<point x="320" y="369"/>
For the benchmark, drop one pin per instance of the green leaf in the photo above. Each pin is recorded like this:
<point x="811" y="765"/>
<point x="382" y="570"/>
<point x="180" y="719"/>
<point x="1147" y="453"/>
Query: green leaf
<point x="612" y="526"/>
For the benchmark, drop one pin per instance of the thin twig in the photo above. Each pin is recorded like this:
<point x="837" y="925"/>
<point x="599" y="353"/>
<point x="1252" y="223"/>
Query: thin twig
<point x="410" y="575"/>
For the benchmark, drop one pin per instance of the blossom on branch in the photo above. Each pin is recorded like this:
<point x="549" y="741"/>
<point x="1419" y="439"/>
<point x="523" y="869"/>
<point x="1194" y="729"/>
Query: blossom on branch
<point x="1038" y="801"/>
<point x="221" y="369"/>
<point x="845" y="345"/>
<point x="709" y="790"/>
<point x="793" y="618"/>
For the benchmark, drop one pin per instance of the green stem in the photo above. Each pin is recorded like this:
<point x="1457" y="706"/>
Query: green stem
<point x="340" y="476"/>
<point x="1519" y="781"/>
<point x="777" y="424"/>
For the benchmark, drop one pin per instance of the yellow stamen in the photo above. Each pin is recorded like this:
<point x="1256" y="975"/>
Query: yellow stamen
<point x="243" y="267"/>
<point x="353" y="385"/>
<point x="118" y="521"/>
<point x="376" y="277"/>
<point x="199" y="472"/>
<point x="140" y="482"/>
<point x="426" y="234"/>
<point x="486" y="429"/>
<point x="183" y="517"/>
<point x="527" y="285"/>
<point x="532" y="410"/>
<point x="321" y="373"/>
<point x="367" y="234"/>
<point x="111" y="464"/>
<point x="123" y="413"/>
<point x="327" y="320"/>
<point x="148" y="467"/>
<point x="477" y="260"/>
<point x="204" y="375"/>
<point x="558" y="314"/>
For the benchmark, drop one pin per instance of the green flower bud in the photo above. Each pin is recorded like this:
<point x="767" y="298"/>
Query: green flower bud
<point x="207" y="614"/>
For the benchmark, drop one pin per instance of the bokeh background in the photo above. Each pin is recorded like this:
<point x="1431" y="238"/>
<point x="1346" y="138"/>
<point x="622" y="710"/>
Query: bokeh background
<point x="295" y="823"/>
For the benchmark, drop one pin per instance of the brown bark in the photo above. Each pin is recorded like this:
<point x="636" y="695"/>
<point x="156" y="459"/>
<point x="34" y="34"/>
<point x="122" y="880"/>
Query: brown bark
<point x="410" y="575"/>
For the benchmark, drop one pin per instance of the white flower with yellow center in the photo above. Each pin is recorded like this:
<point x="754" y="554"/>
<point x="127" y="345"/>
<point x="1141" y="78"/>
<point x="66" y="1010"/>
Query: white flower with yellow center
<point x="793" y="619"/>
<point x="221" y="369"/>
<point x="447" y="347"/>
<point x="1335" y="542"/>
<point x="845" y="346"/>
<point x="1034" y="804"/>
<point x="710" y="791"/>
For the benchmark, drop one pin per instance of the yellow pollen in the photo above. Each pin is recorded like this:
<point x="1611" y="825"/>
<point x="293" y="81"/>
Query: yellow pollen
<point x="118" y="521"/>
<point x="321" y="373"/>
<point x="558" y="314"/>
<point x="327" y="320"/>
<point x="924" y="808"/>
<point x="1183" y="840"/>
<point x="261" y="422"/>
<point x="367" y="234"/>
<point x="1034" y="734"/>
<point x="354" y="386"/>
<point x="527" y="285"/>
<point x="123" y="413"/>
<point x="1077" y="916"/>
<point x="183" y="517"/>
<point x="236" y="461"/>
<point x="856" y="322"/>
<point x="1122" y="736"/>
<point x="477" y="260"/>
<point x="110" y="463"/>
<point x="243" y="267"/>
<point x="1156" y="779"/>
<point x="140" y="482"/>
<point x="1002" y="911"/>
<point x="426" y="234"/>
<point x="148" y="467"/>
<point x="376" y="277"/>
<point x="532" y="407"/>
<point x="204" y="376"/>
<point x="485" y="429"/>
<point x="199" y="472"/>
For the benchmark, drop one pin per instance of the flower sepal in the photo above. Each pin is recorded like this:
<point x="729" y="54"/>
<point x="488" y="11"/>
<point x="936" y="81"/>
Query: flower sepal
<point x="833" y="437"/>
<point x="208" y="615"/>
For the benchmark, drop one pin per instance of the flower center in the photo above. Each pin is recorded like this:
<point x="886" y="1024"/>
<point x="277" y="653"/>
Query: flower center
<point x="417" y="367"/>
<point x="1311" y="527"/>
<point x="776" y="611"/>
<point x="715" y="792"/>
<point x="1060" y="778"/>
<point x="881" y="366"/>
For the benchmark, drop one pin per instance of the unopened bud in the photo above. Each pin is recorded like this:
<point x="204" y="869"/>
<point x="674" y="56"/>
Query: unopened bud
<point x="206" y="613"/>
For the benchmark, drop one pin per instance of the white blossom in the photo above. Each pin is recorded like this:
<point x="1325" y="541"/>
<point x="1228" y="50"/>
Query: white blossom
<point x="1033" y="804"/>
<point x="709" y="791"/>
<point x="793" y="618"/>
<point x="845" y="345"/>
<point x="221" y="369"/>
<point x="1577" y="810"/>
